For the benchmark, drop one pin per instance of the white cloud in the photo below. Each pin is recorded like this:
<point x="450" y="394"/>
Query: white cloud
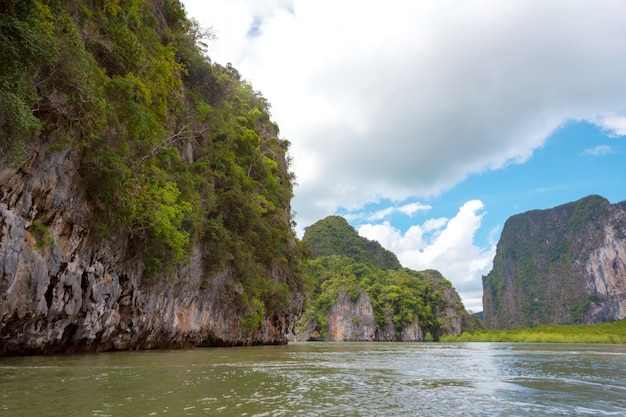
<point x="234" y="23"/>
<point x="434" y="224"/>
<point x="380" y="214"/>
<point x="613" y="123"/>
<point x="412" y="208"/>
<point x="384" y="233"/>
<point x="407" y="98"/>
<point x="408" y="209"/>
<point x="443" y="244"/>
<point x="600" y="150"/>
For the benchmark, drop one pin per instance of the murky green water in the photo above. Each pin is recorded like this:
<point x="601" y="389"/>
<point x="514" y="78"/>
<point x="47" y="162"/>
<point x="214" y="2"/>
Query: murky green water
<point x="323" y="379"/>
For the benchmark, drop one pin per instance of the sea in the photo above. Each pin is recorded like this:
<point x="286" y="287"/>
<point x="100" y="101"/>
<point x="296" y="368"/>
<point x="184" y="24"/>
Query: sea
<point x="323" y="379"/>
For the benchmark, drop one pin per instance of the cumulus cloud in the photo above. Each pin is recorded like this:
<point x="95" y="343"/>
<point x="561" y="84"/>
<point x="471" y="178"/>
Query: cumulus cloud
<point x="407" y="98"/>
<point x="443" y="244"/>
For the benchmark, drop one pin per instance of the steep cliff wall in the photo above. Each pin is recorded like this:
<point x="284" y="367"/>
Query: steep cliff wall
<point x="352" y="320"/>
<point x="144" y="191"/>
<point x="355" y="321"/>
<point x="562" y="265"/>
<point x="64" y="289"/>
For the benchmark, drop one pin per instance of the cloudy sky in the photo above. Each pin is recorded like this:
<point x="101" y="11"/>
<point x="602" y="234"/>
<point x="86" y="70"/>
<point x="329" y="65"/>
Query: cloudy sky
<point x="427" y="123"/>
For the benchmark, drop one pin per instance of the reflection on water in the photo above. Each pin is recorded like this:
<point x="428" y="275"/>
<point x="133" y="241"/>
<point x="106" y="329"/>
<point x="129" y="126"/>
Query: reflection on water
<point x="323" y="379"/>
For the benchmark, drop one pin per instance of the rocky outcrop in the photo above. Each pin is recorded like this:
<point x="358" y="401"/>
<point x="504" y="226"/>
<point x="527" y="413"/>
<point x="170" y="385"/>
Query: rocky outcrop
<point x="352" y="320"/>
<point x="562" y="265"/>
<point x="606" y="270"/>
<point x="453" y="316"/>
<point x="410" y="332"/>
<point x="63" y="288"/>
<point x="348" y="321"/>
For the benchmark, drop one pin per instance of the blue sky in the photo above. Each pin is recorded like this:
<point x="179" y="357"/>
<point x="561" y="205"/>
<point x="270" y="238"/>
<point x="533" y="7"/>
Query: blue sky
<point x="427" y="123"/>
<point x="577" y="160"/>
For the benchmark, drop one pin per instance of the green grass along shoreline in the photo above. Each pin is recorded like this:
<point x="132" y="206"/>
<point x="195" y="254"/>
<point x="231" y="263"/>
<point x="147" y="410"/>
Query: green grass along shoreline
<point x="609" y="332"/>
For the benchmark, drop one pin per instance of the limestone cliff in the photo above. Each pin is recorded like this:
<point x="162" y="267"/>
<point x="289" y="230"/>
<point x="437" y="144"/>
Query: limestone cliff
<point x="354" y="321"/>
<point x="64" y="289"/>
<point x="562" y="265"/>
<point x="144" y="191"/>
<point x="357" y="295"/>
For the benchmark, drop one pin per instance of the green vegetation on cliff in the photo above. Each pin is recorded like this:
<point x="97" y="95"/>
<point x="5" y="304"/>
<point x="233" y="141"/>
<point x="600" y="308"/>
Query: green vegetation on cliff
<point x="539" y="274"/>
<point x="403" y="295"/>
<point x="334" y="236"/>
<point x="345" y="262"/>
<point x="174" y="150"/>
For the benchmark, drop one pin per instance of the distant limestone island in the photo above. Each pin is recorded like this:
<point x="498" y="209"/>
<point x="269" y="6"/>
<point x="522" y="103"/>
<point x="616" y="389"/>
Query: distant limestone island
<point x="358" y="291"/>
<point x="565" y="265"/>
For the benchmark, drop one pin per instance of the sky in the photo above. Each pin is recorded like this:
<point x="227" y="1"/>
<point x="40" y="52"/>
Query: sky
<point x="428" y="123"/>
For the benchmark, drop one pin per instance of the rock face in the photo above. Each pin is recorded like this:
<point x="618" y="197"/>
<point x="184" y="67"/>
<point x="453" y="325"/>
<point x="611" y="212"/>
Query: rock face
<point x="144" y="190"/>
<point x="455" y="322"/>
<point x="411" y="332"/>
<point x="63" y="289"/>
<point x="562" y="265"/>
<point x="352" y="320"/>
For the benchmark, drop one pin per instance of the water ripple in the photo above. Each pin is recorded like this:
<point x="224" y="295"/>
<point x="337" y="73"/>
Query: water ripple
<point x="323" y="379"/>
